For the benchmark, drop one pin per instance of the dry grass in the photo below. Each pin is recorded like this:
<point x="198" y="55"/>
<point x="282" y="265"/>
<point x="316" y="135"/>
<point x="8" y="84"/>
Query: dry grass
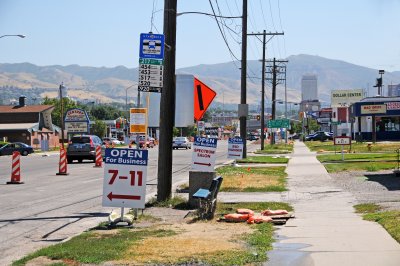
<point x="192" y="240"/>
<point x="250" y="181"/>
<point x="253" y="179"/>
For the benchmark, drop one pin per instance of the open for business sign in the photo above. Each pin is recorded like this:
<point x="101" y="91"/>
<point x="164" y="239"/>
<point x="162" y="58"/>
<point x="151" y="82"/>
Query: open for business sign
<point x="125" y="174"/>
<point x="204" y="154"/>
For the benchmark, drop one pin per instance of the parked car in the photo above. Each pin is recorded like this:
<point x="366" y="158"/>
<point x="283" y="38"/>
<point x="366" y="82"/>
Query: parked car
<point x="181" y="142"/>
<point x="149" y="143"/>
<point x="319" y="135"/>
<point x="252" y="137"/>
<point x="295" y="136"/>
<point x="83" y="147"/>
<point x="9" y="148"/>
<point x="111" y="141"/>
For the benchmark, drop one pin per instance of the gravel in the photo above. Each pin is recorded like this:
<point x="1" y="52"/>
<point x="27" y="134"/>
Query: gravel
<point x="382" y="188"/>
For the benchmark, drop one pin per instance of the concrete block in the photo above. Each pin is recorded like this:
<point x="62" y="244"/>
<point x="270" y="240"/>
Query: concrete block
<point x="197" y="180"/>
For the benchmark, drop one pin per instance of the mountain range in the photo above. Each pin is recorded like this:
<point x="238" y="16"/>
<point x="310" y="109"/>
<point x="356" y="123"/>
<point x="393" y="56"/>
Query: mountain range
<point x="106" y="85"/>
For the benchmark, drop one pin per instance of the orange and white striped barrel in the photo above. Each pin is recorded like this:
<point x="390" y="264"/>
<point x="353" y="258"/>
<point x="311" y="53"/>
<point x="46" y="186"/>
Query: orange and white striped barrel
<point x="62" y="167"/>
<point x="15" y="169"/>
<point x="99" y="159"/>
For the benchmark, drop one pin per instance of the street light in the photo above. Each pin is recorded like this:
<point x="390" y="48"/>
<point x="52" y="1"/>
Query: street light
<point x="126" y="104"/>
<point x="16" y="35"/>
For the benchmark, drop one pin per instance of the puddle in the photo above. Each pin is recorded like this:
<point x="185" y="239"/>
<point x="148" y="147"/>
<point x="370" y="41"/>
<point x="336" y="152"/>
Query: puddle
<point x="289" y="254"/>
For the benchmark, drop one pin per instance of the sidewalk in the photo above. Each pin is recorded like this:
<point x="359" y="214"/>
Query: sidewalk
<point x="326" y="230"/>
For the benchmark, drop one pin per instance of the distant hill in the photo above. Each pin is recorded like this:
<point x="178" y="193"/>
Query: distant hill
<point x="108" y="84"/>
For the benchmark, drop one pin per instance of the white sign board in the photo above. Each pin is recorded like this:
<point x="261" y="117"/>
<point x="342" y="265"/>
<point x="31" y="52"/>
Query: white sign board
<point x="76" y="127"/>
<point x="150" y="75"/>
<point x="342" y="141"/>
<point x="201" y="126"/>
<point x="235" y="148"/>
<point x="138" y="122"/>
<point x="204" y="154"/>
<point x="373" y="109"/>
<point x="125" y="174"/>
<point x="346" y="97"/>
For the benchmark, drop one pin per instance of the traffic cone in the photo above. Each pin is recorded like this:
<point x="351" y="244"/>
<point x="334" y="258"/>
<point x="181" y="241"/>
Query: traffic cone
<point x="99" y="159"/>
<point x="62" y="167"/>
<point x="15" y="169"/>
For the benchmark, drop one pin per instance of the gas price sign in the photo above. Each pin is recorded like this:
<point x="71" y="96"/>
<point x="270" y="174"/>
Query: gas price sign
<point x="125" y="174"/>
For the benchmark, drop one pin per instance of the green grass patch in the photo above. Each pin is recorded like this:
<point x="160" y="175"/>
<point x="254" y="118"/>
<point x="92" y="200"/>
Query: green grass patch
<point x="94" y="246"/>
<point x="253" y="179"/>
<point x="357" y="147"/>
<point x="276" y="149"/>
<point x="175" y="202"/>
<point x="367" y="208"/>
<point x="390" y="220"/>
<point x="359" y="166"/>
<point x="358" y="157"/>
<point x="263" y="159"/>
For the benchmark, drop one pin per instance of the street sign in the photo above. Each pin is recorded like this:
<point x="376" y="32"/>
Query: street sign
<point x="278" y="123"/>
<point x="201" y="126"/>
<point x="342" y="140"/>
<point x="125" y="174"/>
<point x="150" y="75"/>
<point x="138" y="120"/>
<point x="76" y="121"/>
<point x="151" y="46"/>
<point x="203" y="96"/>
<point x="335" y="123"/>
<point x="235" y="148"/>
<point x="203" y="158"/>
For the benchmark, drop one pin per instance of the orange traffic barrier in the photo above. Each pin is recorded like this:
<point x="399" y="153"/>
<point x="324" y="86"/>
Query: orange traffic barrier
<point x="62" y="167"/>
<point x="99" y="159"/>
<point x="15" y="169"/>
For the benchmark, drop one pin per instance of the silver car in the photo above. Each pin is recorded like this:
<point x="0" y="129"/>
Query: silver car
<point x="181" y="142"/>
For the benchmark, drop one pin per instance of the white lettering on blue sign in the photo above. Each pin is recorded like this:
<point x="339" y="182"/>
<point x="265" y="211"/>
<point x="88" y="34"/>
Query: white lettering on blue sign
<point x="235" y="140"/>
<point x="126" y="156"/>
<point x="205" y="142"/>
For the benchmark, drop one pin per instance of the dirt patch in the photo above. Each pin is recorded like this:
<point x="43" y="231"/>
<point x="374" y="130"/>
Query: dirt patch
<point x="382" y="188"/>
<point x="191" y="239"/>
<point x="40" y="261"/>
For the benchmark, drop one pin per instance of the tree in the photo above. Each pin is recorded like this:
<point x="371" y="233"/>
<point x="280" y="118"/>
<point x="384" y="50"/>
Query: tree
<point x="106" y="112"/>
<point x="56" y="114"/>
<point x="99" y="128"/>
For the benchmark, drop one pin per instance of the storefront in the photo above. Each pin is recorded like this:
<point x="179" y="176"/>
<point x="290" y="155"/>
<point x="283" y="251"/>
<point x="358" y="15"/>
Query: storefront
<point x="376" y="119"/>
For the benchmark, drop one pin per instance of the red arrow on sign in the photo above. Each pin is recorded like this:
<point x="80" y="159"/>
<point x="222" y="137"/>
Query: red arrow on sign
<point x="203" y="96"/>
<point x="112" y="196"/>
<point x="206" y="164"/>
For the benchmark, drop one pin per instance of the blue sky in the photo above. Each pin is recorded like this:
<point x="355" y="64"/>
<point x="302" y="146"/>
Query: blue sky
<point x="106" y="33"/>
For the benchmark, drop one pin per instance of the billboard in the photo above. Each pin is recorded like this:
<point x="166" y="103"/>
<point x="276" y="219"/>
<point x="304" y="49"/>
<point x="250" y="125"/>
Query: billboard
<point x="346" y="97"/>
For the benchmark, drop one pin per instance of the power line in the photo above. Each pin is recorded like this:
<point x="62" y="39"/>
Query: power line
<point x="219" y="27"/>
<point x="280" y="22"/>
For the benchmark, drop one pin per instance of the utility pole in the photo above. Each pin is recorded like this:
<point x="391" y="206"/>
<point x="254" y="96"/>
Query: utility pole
<point x="62" y="114"/>
<point x="264" y="34"/>
<point x="167" y="106"/>
<point x="274" y="69"/>
<point x="243" y="96"/>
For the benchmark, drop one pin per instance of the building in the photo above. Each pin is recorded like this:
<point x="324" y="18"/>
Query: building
<point x="309" y="94"/>
<point x="31" y="125"/>
<point x="376" y="119"/>
<point x="309" y="88"/>
<point x="394" y="90"/>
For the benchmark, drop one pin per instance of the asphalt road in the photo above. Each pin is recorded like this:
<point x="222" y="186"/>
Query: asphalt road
<point x="50" y="208"/>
